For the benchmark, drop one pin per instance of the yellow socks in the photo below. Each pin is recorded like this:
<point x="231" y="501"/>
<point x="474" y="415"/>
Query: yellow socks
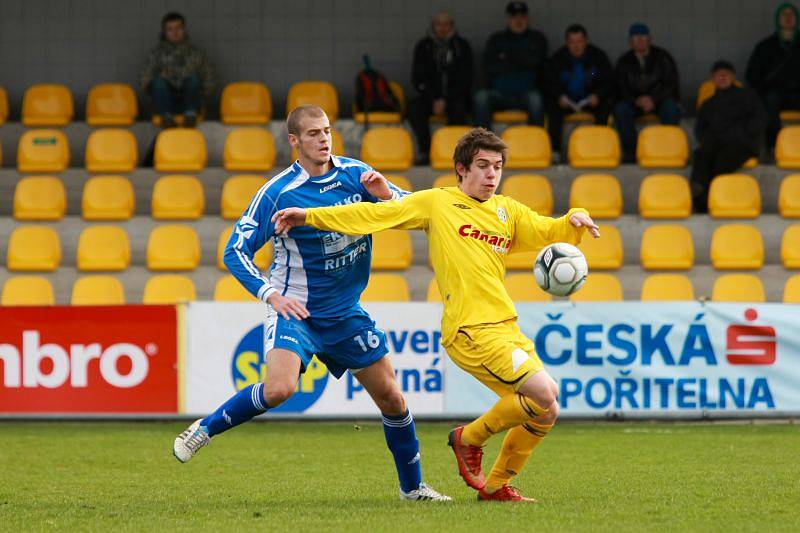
<point x="509" y="411"/>
<point x="517" y="447"/>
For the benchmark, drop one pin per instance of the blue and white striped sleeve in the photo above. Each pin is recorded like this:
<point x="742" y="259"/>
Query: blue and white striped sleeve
<point x="252" y="231"/>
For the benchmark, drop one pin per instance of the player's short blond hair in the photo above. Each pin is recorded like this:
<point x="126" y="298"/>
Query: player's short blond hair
<point x="469" y="145"/>
<point x="297" y="114"/>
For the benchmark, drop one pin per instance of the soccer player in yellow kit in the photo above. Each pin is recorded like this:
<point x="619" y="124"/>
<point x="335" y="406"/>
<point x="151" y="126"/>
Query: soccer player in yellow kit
<point x="470" y="232"/>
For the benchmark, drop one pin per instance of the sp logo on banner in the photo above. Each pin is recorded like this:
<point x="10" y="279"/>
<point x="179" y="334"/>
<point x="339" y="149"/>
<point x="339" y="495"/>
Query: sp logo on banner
<point x="248" y="367"/>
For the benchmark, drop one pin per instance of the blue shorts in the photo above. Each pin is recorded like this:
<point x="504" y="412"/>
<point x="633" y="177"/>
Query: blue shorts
<point x="349" y="343"/>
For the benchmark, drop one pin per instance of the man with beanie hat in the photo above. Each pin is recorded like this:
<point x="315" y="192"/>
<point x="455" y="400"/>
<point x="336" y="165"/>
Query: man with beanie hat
<point x="647" y="82"/>
<point x="774" y="69"/>
<point x="442" y="75"/>
<point x="513" y="60"/>
<point x="729" y="127"/>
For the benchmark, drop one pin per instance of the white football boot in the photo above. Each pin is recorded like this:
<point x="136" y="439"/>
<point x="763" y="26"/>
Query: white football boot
<point x="424" y="493"/>
<point x="190" y="441"/>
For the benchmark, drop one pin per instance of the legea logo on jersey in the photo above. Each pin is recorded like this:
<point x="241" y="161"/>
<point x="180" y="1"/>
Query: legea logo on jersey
<point x="248" y="368"/>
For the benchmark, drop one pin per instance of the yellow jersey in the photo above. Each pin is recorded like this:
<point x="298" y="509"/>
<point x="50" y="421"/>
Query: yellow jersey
<point x="468" y="242"/>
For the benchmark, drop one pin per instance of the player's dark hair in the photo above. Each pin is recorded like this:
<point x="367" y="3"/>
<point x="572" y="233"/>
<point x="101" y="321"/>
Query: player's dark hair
<point x="299" y="113"/>
<point x="170" y="17"/>
<point x="477" y="139"/>
<point x="575" y="28"/>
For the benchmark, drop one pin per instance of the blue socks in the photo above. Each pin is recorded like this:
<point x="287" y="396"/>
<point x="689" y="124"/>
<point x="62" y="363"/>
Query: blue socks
<point x="401" y="438"/>
<point x="239" y="408"/>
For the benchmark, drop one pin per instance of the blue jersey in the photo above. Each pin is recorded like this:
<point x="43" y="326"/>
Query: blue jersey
<point x="326" y="271"/>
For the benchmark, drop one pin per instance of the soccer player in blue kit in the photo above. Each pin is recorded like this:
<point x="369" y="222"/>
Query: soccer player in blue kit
<point x="313" y="291"/>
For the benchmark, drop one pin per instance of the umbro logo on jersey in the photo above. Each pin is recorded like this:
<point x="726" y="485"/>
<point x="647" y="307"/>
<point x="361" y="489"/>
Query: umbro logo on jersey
<point x="331" y="186"/>
<point x="462" y="206"/>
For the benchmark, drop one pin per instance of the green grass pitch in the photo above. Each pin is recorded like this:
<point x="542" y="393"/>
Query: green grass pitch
<point x="335" y="476"/>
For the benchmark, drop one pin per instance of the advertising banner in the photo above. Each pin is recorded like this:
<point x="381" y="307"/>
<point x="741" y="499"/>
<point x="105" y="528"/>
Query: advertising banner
<point x="226" y="354"/>
<point x="659" y="359"/>
<point x="88" y="360"/>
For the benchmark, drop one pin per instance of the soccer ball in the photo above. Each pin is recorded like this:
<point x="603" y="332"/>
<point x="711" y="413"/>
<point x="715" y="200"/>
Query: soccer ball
<point x="560" y="269"/>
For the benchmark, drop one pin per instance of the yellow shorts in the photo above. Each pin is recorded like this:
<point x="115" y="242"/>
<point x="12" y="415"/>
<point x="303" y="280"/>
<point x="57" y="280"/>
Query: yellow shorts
<point x="498" y="355"/>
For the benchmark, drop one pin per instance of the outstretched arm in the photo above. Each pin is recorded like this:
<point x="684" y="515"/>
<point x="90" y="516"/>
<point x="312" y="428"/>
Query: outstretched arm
<point x="410" y="212"/>
<point x="534" y="231"/>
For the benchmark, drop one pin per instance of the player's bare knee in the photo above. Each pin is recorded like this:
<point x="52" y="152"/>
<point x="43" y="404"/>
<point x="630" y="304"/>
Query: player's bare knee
<point x="552" y="413"/>
<point x="392" y="402"/>
<point x="277" y="393"/>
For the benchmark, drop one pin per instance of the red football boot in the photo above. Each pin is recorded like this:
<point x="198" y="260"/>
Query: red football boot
<point x="468" y="458"/>
<point x="506" y="493"/>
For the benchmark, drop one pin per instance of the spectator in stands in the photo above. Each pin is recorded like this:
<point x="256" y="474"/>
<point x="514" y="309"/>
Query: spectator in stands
<point x="442" y="75"/>
<point x="176" y="75"/>
<point x="774" y="69"/>
<point x="647" y="82"/>
<point x="513" y="61"/>
<point x="578" y="78"/>
<point x="729" y="128"/>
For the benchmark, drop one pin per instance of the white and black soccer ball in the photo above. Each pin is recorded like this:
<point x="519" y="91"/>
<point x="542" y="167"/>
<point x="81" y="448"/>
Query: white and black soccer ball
<point x="560" y="269"/>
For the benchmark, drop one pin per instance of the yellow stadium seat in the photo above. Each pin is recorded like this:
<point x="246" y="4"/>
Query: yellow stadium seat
<point x="601" y="194"/>
<point x="523" y="288"/>
<point x="790" y="247"/>
<point x="111" y="104"/>
<point x="790" y="115"/>
<point x="173" y="247"/>
<point x="600" y="287"/>
<point x="750" y="163"/>
<point x="386" y="288"/>
<point x="237" y="193"/>
<point x="387" y="148"/>
<point x="47" y="104"/>
<point x="649" y="118"/>
<point x="443" y="142"/>
<point x="445" y="180"/>
<point x="667" y="247"/>
<point x="178" y="198"/>
<point x="319" y="93"/>
<point x="246" y="102"/>
<point x="249" y="150"/>
<point x="787" y="148"/>
<point x="662" y="147"/>
<point x="384" y="117"/>
<point x="521" y="260"/>
<point x="736" y="247"/>
<point x="42" y="151"/>
<point x="667" y="287"/>
<point x="401" y="182"/>
<point x="180" y="150"/>
<point x="704" y="92"/>
<point x="734" y="196"/>
<point x="532" y="190"/>
<point x="168" y="289"/>
<point x="107" y="198"/>
<point x="27" y="290"/>
<point x="665" y="196"/>
<point x="228" y="289"/>
<point x="575" y="118"/>
<point x="103" y="249"/>
<point x="528" y="147"/>
<point x="791" y="291"/>
<point x="156" y="120"/>
<point x="39" y="198"/>
<point x="3" y="105"/>
<point x="98" y="290"/>
<point x="789" y="196"/>
<point x="391" y="250"/>
<point x="604" y="253"/>
<point x="510" y="116"/>
<point x="738" y="288"/>
<point x="594" y="147"/>
<point x="111" y="150"/>
<point x="262" y="258"/>
<point x="337" y="147"/>
<point x="33" y="249"/>
<point x="433" y="291"/>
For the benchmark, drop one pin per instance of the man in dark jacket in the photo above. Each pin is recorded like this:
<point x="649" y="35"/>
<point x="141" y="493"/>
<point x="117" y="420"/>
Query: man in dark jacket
<point x="647" y="82"/>
<point x="176" y="74"/>
<point x="578" y="78"/>
<point x="514" y="62"/>
<point x="729" y="128"/>
<point x="774" y="69"/>
<point x="442" y="75"/>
